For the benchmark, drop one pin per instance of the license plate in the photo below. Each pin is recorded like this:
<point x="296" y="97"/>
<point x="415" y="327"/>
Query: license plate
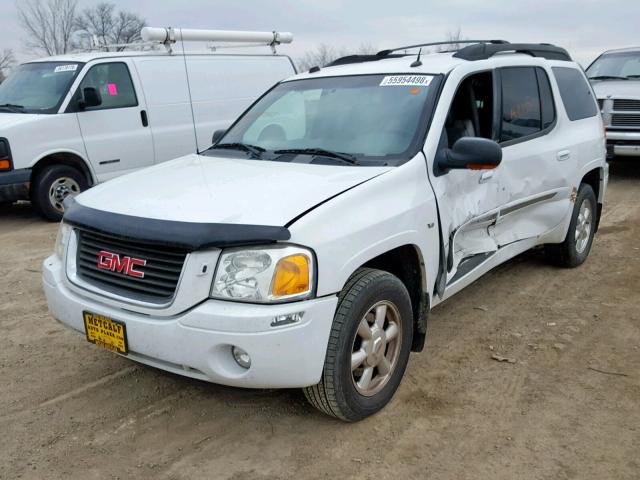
<point x="106" y="332"/>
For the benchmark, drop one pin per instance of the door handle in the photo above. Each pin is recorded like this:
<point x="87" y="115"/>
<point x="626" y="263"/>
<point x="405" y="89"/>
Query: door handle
<point x="143" y="117"/>
<point x="564" y="155"/>
<point x="486" y="176"/>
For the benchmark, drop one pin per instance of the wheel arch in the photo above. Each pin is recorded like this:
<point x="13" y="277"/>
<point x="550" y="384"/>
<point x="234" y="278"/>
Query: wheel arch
<point x="71" y="159"/>
<point x="595" y="178"/>
<point x="407" y="263"/>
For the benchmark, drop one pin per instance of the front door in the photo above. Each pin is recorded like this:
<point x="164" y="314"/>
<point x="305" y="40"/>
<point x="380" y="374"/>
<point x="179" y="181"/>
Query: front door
<point x="116" y="134"/>
<point x="468" y="200"/>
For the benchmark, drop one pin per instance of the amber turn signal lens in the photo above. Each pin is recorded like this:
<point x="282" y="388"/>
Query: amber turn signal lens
<point x="291" y="276"/>
<point x="5" y="165"/>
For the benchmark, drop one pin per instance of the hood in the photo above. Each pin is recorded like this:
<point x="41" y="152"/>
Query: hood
<point x="204" y="189"/>
<point x="616" y="88"/>
<point x="8" y="120"/>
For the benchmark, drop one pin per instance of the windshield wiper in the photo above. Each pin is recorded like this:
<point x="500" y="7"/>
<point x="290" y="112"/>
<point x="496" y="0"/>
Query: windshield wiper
<point x="13" y="108"/>
<point x="350" y="159"/>
<point x="633" y="76"/>
<point x="252" y="149"/>
<point x="608" y="77"/>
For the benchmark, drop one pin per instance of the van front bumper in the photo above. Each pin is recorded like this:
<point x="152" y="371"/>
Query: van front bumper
<point x="14" y="185"/>
<point x="623" y="143"/>
<point x="197" y="343"/>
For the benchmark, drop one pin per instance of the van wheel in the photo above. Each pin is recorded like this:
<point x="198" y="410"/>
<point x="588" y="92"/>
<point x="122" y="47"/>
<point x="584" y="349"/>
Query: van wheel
<point x="51" y="186"/>
<point x="368" y="347"/>
<point x="576" y="247"/>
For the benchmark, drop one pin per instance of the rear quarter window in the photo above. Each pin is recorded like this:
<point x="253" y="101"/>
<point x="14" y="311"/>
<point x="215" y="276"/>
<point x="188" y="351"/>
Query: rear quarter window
<point x="576" y="93"/>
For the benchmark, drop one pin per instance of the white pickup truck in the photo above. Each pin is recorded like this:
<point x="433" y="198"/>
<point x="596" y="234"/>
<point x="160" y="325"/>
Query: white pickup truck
<point x="306" y="247"/>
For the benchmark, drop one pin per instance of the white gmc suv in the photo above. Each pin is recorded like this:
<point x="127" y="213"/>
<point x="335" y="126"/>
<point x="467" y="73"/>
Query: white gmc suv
<point x="307" y="246"/>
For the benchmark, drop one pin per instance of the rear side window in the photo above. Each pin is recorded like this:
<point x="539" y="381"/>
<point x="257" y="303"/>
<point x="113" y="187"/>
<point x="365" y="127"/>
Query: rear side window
<point x="546" y="99"/>
<point x="576" y="93"/>
<point x="113" y="82"/>
<point x="521" y="112"/>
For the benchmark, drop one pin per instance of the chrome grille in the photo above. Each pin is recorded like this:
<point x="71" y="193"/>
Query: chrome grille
<point x="161" y="271"/>
<point x="625" y="120"/>
<point x="626" y="105"/>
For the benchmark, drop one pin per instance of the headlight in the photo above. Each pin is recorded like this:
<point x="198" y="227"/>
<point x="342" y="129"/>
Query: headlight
<point x="62" y="239"/>
<point x="264" y="275"/>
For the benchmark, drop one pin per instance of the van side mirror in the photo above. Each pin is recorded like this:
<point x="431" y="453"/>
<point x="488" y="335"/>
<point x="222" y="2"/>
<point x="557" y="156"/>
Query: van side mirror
<point x="217" y="135"/>
<point x="90" y="98"/>
<point x="471" y="153"/>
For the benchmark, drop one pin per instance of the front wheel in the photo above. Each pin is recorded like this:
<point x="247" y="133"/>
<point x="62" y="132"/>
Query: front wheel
<point x="368" y="348"/>
<point x="52" y="185"/>
<point x="576" y="247"/>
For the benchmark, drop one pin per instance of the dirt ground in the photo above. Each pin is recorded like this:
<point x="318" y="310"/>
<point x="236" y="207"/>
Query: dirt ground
<point x="71" y="410"/>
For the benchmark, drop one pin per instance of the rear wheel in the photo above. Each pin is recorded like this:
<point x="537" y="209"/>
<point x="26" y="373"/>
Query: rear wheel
<point x="52" y="185"/>
<point x="368" y="349"/>
<point x="576" y="247"/>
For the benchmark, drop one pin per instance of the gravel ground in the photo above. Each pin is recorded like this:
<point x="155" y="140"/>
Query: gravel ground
<point x="568" y="408"/>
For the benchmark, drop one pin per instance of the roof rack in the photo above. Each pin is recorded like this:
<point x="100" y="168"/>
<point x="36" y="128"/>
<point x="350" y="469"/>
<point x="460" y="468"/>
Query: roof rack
<point x="482" y="51"/>
<point x="384" y="53"/>
<point x="475" y="50"/>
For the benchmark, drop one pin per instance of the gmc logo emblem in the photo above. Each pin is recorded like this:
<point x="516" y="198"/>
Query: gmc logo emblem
<point x="125" y="265"/>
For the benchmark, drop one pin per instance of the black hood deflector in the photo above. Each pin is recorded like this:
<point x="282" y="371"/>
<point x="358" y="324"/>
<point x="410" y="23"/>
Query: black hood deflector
<point x="188" y="236"/>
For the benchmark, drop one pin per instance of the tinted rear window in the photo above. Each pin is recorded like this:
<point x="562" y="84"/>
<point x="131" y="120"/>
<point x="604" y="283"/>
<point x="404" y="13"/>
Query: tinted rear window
<point x="576" y="93"/>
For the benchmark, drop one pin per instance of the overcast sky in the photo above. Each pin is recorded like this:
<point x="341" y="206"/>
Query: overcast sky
<point x="584" y="27"/>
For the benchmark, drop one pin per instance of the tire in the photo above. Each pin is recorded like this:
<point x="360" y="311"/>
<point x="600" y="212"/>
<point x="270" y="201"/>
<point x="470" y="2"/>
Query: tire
<point x="576" y="246"/>
<point x="346" y="394"/>
<point x="51" y="186"/>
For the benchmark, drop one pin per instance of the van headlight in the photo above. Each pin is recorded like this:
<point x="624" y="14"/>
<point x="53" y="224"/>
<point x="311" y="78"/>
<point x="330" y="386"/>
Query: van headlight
<point x="62" y="239"/>
<point x="264" y="275"/>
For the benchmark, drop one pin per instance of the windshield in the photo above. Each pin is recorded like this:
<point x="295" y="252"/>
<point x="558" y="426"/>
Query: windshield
<point x="623" y="65"/>
<point x="349" y="119"/>
<point x="37" y="87"/>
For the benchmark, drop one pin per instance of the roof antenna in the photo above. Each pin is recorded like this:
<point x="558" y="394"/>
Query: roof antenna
<point x="417" y="63"/>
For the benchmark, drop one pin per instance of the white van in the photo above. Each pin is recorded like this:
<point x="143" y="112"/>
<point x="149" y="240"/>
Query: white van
<point x="72" y="121"/>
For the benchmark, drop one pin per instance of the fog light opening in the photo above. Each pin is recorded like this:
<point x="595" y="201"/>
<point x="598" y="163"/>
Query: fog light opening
<point x="241" y="357"/>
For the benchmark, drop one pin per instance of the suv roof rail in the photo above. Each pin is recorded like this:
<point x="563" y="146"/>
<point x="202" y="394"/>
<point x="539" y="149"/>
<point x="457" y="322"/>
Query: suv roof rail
<point x="474" y="50"/>
<point x="384" y="53"/>
<point x="482" y="51"/>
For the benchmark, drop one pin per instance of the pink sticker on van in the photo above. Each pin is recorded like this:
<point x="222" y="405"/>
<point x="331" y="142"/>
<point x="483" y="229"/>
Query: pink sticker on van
<point x="112" y="89"/>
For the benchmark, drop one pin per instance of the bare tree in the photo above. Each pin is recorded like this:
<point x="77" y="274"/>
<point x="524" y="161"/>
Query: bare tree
<point x="108" y="26"/>
<point x="49" y="24"/>
<point x="453" y="37"/>
<point x="324" y="54"/>
<point x="6" y="61"/>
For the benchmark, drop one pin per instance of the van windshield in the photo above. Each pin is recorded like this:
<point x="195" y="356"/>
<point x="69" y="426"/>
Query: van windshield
<point x="616" y="66"/>
<point x="37" y="87"/>
<point x="364" y="119"/>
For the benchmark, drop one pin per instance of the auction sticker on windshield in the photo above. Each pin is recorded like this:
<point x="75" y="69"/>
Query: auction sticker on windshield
<point x="65" y="68"/>
<point x="106" y="332"/>
<point x="406" y="81"/>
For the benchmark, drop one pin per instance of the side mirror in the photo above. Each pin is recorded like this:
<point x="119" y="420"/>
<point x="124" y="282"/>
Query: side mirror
<point x="217" y="135"/>
<point x="90" y="98"/>
<point x="471" y="153"/>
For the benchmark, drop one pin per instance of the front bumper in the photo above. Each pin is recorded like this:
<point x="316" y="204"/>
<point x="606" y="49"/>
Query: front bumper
<point x="197" y="343"/>
<point x="14" y="185"/>
<point x="623" y="143"/>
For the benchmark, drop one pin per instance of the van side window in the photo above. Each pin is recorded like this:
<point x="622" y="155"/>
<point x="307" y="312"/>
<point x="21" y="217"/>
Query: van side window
<point x="113" y="82"/>
<point x="547" y="104"/>
<point x="576" y="93"/>
<point x="521" y="112"/>
<point x="471" y="112"/>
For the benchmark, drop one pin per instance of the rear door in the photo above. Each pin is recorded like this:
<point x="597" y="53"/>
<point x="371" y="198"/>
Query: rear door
<point x="538" y="163"/>
<point x="116" y="134"/>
